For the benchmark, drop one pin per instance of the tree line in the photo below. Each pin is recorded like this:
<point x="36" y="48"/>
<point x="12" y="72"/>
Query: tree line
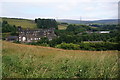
<point x="46" y="23"/>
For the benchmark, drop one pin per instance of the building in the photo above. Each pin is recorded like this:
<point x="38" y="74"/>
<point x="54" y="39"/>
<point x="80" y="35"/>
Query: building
<point x="102" y="32"/>
<point x="12" y="38"/>
<point x="30" y="35"/>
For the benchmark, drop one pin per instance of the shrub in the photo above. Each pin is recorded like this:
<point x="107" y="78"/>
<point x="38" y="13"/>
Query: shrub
<point x="99" y="46"/>
<point x="69" y="46"/>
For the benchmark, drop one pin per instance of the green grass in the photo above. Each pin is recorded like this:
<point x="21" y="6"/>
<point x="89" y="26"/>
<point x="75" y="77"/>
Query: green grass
<point x="27" y="61"/>
<point x="24" y="23"/>
<point x="62" y="27"/>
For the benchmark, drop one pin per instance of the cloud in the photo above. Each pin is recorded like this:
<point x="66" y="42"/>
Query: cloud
<point x="72" y="9"/>
<point x="51" y="1"/>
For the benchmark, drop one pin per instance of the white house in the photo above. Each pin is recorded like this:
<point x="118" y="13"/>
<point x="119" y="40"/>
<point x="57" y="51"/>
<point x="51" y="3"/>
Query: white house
<point x="104" y="32"/>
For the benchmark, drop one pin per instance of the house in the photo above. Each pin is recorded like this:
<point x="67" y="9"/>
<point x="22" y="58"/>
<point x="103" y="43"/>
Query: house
<point x="30" y="35"/>
<point x="12" y="38"/>
<point x="102" y="32"/>
<point x="90" y="32"/>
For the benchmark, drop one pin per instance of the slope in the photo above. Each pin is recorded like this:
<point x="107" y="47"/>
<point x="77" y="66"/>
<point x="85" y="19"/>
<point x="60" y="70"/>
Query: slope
<point x="27" y="61"/>
<point x="24" y="23"/>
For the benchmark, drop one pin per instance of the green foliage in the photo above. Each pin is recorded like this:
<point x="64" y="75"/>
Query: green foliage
<point x="17" y="42"/>
<point x="63" y="32"/>
<point x="99" y="46"/>
<point x="96" y="37"/>
<point x="69" y="46"/>
<point x="46" y="23"/>
<point x="66" y="39"/>
<point x="105" y="27"/>
<point x="8" y="28"/>
<point x="118" y="37"/>
<point x="43" y="40"/>
<point x="77" y="29"/>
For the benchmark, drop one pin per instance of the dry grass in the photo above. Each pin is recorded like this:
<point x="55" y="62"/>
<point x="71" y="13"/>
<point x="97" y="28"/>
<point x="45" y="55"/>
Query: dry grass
<point x="45" y="62"/>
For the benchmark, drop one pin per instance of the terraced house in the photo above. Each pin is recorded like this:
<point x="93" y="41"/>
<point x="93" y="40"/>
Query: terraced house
<point x="30" y="35"/>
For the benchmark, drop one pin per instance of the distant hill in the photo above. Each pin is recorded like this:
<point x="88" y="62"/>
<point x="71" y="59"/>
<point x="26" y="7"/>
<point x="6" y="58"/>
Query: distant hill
<point x="107" y="21"/>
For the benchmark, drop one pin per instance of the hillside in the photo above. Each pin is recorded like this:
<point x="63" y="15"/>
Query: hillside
<point x="25" y="23"/>
<point x="109" y="21"/>
<point x="27" y="61"/>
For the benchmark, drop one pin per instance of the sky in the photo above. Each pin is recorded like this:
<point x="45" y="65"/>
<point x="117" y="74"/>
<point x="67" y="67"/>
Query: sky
<point x="60" y="9"/>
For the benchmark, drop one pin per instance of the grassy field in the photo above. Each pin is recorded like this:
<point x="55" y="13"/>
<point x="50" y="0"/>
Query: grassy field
<point x="20" y="22"/>
<point x="62" y="27"/>
<point x="27" y="61"/>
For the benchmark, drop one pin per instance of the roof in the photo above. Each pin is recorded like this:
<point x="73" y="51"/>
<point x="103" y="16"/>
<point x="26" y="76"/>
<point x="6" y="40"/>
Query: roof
<point x="12" y="37"/>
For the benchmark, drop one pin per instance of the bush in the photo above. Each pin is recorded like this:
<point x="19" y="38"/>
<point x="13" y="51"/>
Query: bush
<point x="69" y="46"/>
<point x="99" y="46"/>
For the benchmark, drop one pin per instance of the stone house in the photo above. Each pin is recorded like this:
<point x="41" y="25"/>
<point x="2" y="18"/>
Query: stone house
<point x="30" y="35"/>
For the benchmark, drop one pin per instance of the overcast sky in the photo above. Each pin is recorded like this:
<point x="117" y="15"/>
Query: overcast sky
<point x="60" y="9"/>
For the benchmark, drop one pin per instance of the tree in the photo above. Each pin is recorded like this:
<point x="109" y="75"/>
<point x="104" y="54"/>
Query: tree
<point x="8" y="28"/>
<point x="46" y="23"/>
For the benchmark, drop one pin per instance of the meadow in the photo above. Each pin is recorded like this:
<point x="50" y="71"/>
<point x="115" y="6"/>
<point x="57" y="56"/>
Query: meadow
<point x="62" y="27"/>
<point x="24" y="23"/>
<point x="28" y="61"/>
